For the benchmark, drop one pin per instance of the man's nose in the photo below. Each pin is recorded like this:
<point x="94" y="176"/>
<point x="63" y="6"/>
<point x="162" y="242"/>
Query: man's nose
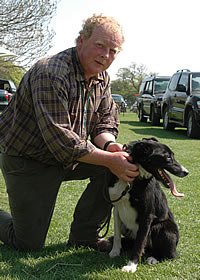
<point x="105" y="52"/>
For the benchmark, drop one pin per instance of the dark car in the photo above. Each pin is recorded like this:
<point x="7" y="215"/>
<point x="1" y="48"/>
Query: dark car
<point x="149" y="99"/>
<point x="5" y="97"/>
<point x="181" y="103"/>
<point x="7" y="89"/>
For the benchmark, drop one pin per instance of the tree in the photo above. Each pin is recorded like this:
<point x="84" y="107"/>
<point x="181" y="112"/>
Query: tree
<point x="123" y="88"/>
<point x="11" y="72"/>
<point x="128" y="81"/>
<point x="133" y="75"/>
<point x="24" y="28"/>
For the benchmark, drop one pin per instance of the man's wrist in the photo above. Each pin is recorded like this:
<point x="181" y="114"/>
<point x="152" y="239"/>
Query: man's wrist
<point x="107" y="144"/>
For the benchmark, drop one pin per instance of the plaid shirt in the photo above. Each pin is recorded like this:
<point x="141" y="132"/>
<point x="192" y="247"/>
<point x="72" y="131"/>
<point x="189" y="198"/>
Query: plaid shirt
<point x="46" y="117"/>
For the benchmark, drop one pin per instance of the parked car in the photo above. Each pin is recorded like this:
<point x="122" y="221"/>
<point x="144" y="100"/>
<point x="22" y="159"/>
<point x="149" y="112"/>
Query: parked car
<point x="5" y="97"/>
<point x="150" y="97"/>
<point x="8" y="85"/>
<point x="133" y="107"/>
<point x="181" y="103"/>
<point x="7" y="89"/>
<point x="121" y="103"/>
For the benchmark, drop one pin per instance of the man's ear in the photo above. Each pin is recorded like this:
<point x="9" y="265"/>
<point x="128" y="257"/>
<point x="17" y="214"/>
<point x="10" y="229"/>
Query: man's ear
<point x="79" y="42"/>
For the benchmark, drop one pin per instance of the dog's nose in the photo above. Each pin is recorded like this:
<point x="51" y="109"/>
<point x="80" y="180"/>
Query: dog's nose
<point x="185" y="171"/>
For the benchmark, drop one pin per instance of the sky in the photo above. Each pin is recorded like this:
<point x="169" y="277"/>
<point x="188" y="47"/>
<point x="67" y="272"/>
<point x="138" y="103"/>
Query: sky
<point x="164" y="35"/>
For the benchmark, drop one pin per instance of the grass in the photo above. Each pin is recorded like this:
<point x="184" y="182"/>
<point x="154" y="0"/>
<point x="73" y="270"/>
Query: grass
<point x="56" y="261"/>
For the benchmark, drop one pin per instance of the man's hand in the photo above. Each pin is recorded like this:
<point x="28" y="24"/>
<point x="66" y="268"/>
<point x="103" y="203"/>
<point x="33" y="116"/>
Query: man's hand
<point x="120" y="165"/>
<point x="114" y="158"/>
<point x="114" y="147"/>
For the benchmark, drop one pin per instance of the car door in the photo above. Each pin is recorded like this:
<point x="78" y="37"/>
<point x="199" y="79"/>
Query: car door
<point x="172" y="95"/>
<point x="181" y="96"/>
<point x="147" y="97"/>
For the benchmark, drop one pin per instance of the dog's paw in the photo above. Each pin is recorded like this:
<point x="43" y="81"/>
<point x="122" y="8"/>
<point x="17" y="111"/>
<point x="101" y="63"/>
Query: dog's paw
<point x="152" y="260"/>
<point x="114" y="253"/>
<point x="130" y="267"/>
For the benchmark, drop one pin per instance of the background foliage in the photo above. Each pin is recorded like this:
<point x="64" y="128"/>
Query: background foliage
<point x="24" y="28"/>
<point x="129" y="80"/>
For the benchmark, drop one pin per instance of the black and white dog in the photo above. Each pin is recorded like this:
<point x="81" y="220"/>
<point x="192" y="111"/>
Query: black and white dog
<point x="141" y="210"/>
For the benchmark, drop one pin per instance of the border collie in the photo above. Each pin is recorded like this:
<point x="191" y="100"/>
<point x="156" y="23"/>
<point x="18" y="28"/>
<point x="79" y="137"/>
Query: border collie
<point x="141" y="211"/>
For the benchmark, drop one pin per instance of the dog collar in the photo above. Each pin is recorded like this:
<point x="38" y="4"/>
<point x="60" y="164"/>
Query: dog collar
<point x="127" y="189"/>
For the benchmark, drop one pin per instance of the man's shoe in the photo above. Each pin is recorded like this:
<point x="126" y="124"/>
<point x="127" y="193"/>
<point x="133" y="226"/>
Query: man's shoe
<point x="102" y="245"/>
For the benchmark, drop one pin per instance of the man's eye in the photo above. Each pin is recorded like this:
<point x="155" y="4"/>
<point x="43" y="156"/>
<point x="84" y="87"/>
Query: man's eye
<point x="99" y="45"/>
<point x="113" y="51"/>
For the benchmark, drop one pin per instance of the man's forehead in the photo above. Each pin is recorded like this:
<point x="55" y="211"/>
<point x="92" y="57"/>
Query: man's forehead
<point x="111" y="44"/>
<point x="104" y="33"/>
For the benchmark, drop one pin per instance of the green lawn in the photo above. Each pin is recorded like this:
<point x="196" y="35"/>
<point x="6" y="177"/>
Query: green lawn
<point x="57" y="261"/>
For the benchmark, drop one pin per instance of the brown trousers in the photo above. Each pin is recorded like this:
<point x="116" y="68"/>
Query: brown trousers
<point x="32" y="190"/>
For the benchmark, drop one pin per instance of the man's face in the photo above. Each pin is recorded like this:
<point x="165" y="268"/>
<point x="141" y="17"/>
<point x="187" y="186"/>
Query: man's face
<point x="98" y="52"/>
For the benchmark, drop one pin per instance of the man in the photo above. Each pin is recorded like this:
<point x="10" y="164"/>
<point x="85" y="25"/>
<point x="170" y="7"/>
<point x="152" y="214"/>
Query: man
<point x="61" y="102"/>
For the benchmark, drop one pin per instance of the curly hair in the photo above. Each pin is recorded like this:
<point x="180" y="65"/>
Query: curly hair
<point x="95" y="20"/>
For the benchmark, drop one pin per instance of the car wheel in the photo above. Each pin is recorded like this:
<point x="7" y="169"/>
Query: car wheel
<point x="193" y="131"/>
<point x="155" y="120"/>
<point x="141" y="116"/>
<point x="166" y="124"/>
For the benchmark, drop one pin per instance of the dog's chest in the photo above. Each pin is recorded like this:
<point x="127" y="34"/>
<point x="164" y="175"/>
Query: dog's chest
<point x="127" y="214"/>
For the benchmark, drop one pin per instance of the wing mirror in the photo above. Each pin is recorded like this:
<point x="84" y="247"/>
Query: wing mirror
<point x="181" y="88"/>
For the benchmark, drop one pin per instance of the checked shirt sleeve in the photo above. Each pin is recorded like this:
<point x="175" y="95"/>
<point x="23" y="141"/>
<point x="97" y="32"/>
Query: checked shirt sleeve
<point x="51" y="108"/>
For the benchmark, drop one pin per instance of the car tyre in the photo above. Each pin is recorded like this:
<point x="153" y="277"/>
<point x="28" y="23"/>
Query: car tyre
<point x="141" y="116"/>
<point x="166" y="124"/>
<point x="193" y="131"/>
<point x="155" y="120"/>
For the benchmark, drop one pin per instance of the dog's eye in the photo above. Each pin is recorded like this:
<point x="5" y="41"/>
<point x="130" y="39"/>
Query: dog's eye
<point x="168" y="158"/>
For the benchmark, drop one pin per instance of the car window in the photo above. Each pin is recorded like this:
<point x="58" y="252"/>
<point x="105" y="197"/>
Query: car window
<point x="118" y="97"/>
<point x="174" y="80"/>
<point x="2" y="85"/>
<point x="196" y="81"/>
<point x="160" y="86"/>
<point x="141" y="88"/>
<point x="184" y="80"/>
<point x="149" y="87"/>
<point x="8" y="85"/>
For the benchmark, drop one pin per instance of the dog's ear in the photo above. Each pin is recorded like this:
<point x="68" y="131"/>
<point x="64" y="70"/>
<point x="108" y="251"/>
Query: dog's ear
<point x="141" y="151"/>
<point x="129" y="148"/>
<point x="150" y="139"/>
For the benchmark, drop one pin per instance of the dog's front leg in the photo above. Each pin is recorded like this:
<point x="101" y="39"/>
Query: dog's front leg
<point x="139" y="245"/>
<point x="117" y="235"/>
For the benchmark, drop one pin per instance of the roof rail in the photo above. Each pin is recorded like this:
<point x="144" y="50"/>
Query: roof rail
<point x="183" y="70"/>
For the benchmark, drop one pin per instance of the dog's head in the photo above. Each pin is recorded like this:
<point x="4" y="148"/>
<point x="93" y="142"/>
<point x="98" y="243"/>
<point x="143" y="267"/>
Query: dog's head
<point x="155" y="157"/>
